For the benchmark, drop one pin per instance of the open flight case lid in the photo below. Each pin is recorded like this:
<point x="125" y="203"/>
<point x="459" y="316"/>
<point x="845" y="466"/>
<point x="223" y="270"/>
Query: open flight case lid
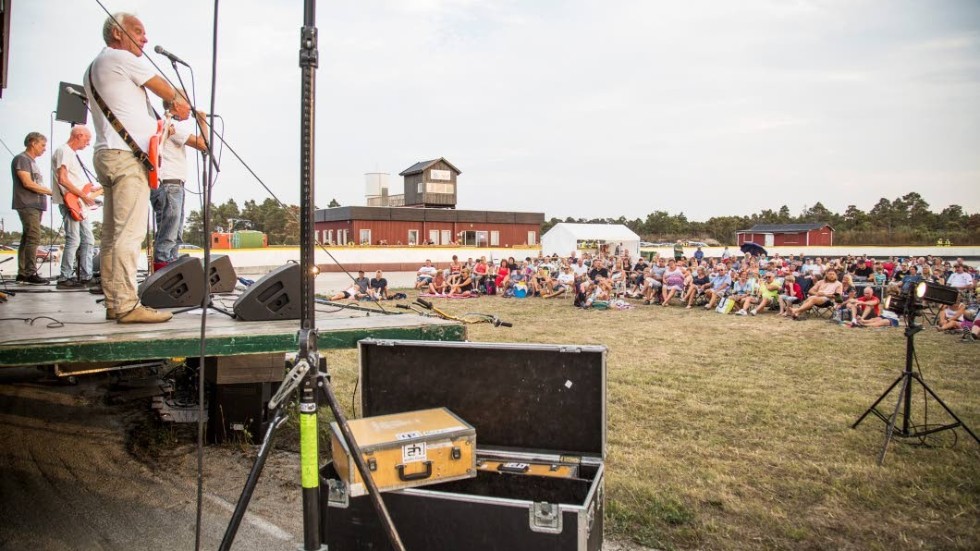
<point x="540" y="397"/>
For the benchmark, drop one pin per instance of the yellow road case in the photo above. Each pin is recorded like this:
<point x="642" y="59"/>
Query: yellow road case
<point x="405" y="450"/>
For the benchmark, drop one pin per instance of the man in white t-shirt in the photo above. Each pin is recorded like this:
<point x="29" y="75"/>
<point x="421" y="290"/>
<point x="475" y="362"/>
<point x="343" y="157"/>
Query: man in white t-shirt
<point x="68" y="175"/>
<point x="960" y="279"/>
<point x="121" y="81"/>
<point x="168" y="199"/>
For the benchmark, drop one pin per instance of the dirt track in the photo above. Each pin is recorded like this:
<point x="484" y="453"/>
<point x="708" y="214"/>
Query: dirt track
<point x="67" y="481"/>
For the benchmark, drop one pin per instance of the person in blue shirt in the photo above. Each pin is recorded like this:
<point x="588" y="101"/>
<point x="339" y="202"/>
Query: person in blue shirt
<point x="720" y="282"/>
<point x="699" y="255"/>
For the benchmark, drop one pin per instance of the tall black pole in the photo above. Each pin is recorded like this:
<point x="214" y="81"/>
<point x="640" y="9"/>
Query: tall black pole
<point x="309" y="434"/>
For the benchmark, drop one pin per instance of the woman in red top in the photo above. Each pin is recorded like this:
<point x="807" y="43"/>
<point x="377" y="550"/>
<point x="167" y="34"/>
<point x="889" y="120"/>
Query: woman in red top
<point x="791" y="294"/>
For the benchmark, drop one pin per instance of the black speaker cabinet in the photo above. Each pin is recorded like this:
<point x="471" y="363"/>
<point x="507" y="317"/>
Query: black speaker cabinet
<point x="274" y="297"/>
<point x="71" y="108"/>
<point x="238" y="412"/>
<point x="178" y="285"/>
<point x="222" y="274"/>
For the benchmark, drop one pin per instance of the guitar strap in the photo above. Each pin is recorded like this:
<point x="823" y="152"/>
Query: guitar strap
<point x="141" y="155"/>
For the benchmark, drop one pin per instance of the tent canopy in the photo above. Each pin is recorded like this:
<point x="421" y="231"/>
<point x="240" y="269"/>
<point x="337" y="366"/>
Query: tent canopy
<point x="564" y="239"/>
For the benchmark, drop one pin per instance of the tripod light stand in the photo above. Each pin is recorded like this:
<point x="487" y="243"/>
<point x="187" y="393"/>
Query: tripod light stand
<point x="899" y="423"/>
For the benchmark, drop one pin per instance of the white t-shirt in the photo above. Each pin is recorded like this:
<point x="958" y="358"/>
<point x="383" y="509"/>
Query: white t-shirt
<point x="960" y="279"/>
<point x="119" y="77"/>
<point x="173" y="156"/>
<point x="65" y="156"/>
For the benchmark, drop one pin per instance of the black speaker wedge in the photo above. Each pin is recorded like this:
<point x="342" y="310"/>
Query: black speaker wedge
<point x="222" y="274"/>
<point x="177" y="285"/>
<point x="273" y="297"/>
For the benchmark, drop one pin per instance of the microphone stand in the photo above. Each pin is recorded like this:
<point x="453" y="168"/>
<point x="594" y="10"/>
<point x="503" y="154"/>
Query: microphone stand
<point x="211" y="166"/>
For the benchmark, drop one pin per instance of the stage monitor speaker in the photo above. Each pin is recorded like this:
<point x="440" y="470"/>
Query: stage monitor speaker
<point x="222" y="276"/>
<point x="178" y="285"/>
<point x="71" y="108"/>
<point x="273" y="297"/>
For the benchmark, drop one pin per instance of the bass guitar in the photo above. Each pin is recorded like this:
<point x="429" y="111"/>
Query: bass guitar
<point x="77" y="208"/>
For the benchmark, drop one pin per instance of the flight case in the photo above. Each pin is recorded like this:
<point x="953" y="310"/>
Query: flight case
<point x="540" y="418"/>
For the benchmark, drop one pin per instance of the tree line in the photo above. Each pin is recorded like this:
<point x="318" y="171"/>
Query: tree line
<point x="906" y="220"/>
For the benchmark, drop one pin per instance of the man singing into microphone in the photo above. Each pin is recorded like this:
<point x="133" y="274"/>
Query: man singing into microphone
<point x="116" y="83"/>
<point x="168" y="199"/>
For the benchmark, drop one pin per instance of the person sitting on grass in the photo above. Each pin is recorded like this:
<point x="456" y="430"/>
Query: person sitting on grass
<point x="439" y="285"/>
<point x="720" y="283"/>
<point x="378" y="287"/>
<point x="822" y="293"/>
<point x="865" y="307"/>
<point x="951" y="317"/>
<point x="464" y="283"/>
<point x="768" y="292"/>
<point x="673" y="282"/>
<point x="699" y="285"/>
<point x="561" y="284"/>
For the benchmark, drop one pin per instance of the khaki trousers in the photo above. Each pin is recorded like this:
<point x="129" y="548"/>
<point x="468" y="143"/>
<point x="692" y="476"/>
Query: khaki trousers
<point x="126" y="207"/>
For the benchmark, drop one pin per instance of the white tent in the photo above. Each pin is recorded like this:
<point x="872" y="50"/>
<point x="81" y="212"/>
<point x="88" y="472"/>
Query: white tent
<point x="567" y="239"/>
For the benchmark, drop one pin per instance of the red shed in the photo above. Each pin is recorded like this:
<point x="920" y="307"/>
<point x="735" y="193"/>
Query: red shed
<point x="798" y="235"/>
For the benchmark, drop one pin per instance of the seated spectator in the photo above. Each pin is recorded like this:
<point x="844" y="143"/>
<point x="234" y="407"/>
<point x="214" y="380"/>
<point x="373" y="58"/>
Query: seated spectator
<point x="822" y="293"/>
<point x="743" y="292"/>
<point x="699" y="285"/>
<point x="886" y="319"/>
<point x="439" y="285"/>
<point x="673" y="282"/>
<point x="790" y="294"/>
<point x="561" y="284"/>
<point x="464" y="283"/>
<point x="960" y="279"/>
<point x="455" y="267"/>
<point x="720" y="283"/>
<point x="653" y="282"/>
<point x="865" y="307"/>
<point x="768" y="292"/>
<point x="378" y="287"/>
<point x="502" y="278"/>
<point x="424" y="275"/>
<point x="951" y="317"/>
<point x="363" y="283"/>
<point x="480" y="271"/>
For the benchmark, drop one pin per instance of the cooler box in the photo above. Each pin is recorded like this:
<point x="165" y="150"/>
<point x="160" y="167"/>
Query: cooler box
<point x="540" y="412"/>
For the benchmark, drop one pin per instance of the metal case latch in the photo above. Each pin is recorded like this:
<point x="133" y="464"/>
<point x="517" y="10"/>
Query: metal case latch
<point x="337" y="494"/>
<point x="545" y="517"/>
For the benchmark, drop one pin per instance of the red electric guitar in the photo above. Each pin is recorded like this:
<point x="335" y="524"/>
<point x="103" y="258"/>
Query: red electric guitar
<point x="156" y="142"/>
<point x="77" y="208"/>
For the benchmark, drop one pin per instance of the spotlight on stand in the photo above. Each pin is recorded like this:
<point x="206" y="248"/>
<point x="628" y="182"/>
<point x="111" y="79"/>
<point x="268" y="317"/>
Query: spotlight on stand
<point x="905" y="303"/>
<point x="934" y="292"/>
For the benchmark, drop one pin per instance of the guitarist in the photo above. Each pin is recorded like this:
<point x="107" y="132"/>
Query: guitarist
<point x="168" y="199"/>
<point x="116" y="84"/>
<point x="67" y="173"/>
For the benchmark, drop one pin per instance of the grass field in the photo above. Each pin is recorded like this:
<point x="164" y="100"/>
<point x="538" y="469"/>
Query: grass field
<point x="728" y="432"/>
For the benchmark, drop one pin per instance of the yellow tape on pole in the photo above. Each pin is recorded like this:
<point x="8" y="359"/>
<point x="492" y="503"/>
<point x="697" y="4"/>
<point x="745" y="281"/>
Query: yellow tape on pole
<point x="308" y="451"/>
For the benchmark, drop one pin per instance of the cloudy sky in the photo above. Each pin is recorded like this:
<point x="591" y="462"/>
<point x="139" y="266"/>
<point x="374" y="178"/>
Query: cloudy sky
<point x="574" y="108"/>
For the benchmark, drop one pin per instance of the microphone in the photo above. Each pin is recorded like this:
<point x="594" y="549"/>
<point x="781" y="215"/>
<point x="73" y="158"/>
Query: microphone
<point x="75" y="92"/>
<point x="159" y="49"/>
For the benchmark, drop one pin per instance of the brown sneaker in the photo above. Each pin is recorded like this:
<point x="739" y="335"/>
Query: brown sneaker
<point x="142" y="314"/>
<point x="110" y="314"/>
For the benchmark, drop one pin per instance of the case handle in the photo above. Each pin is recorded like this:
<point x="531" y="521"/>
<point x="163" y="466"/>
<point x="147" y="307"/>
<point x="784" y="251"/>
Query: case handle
<point x="414" y="476"/>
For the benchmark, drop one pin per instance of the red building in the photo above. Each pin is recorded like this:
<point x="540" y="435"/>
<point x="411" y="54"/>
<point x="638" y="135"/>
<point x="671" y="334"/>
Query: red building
<point x="410" y="219"/>
<point x="418" y="226"/>
<point x="798" y="235"/>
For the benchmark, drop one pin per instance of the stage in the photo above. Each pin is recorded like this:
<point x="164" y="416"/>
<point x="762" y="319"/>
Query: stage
<point x="86" y="336"/>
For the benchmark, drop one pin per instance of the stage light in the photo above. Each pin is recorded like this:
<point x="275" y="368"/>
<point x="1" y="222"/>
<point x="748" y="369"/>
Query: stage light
<point x="934" y="292"/>
<point x="900" y="304"/>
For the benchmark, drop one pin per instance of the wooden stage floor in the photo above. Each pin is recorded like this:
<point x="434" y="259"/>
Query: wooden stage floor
<point x="87" y="337"/>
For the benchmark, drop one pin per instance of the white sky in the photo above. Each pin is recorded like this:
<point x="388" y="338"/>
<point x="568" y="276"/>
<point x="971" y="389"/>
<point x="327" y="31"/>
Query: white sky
<point x="574" y="108"/>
